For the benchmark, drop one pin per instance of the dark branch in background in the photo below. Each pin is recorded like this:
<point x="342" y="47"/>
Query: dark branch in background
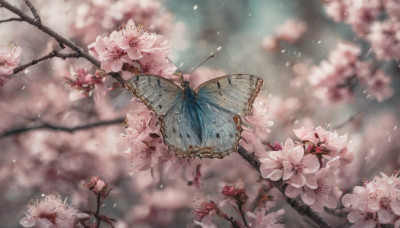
<point x="53" y="127"/>
<point x="349" y="120"/>
<point x="60" y="39"/>
<point x="33" y="10"/>
<point x="299" y="207"/>
<point x="48" y="56"/>
<point x="11" y="19"/>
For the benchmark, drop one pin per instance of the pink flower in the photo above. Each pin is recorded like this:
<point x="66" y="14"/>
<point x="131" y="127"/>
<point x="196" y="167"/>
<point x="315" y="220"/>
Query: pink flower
<point x="111" y="56"/>
<point x="82" y="82"/>
<point x="272" y="163"/>
<point x="385" y="40"/>
<point x="297" y="165"/>
<point x="291" y="30"/>
<point x="142" y="143"/>
<point x="205" y="210"/>
<point x="262" y="219"/>
<point x="377" y="202"/>
<point x="270" y="43"/>
<point x="9" y="59"/>
<point x="189" y="165"/>
<point x="96" y="185"/>
<point x="49" y="212"/>
<point x="134" y="41"/>
<point x="158" y="64"/>
<point x="378" y="86"/>
<point x="238" y="194"/>
<point x="324" y="143"/>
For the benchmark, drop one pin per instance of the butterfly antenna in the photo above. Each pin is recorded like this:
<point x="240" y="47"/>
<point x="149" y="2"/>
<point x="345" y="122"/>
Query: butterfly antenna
<point x="178" y="72"/>
<point x="209" y="57"/>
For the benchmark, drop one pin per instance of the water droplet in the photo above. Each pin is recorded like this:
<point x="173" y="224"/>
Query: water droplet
<point x="14" y="161"/>
<point x="195" y="7"/>
<point x="249" y="14"/>
<point x="287" y="64"/>
<point x="23" y="87"/>
<point x="296" y="121"/>
<point x="283" y="51"/>
<point x="218" y="32"/>
<point x="43" y="195"/>
<point x="115" y="205"/>
<point x="219" y="48"/>
<point x="130" y="173"/>
<point x="395" y="127"/>
<point x="389" y="139"/>
<point x="26" y="71"/>
<point x="181" y="64"/>
<point x="319" y="41"/>
<point x="161" y="186"/>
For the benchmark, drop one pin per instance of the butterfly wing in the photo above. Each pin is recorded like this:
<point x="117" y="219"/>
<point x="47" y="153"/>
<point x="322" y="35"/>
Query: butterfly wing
<point x="219" y="136"/>
<point x="159" y="94"/>
<point x="235" y="92"/>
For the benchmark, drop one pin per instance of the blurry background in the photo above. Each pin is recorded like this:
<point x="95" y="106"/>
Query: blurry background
<point x="42" y="161"/>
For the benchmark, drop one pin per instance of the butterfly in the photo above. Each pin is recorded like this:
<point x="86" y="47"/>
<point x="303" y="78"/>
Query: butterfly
<point x="204" y="122"/>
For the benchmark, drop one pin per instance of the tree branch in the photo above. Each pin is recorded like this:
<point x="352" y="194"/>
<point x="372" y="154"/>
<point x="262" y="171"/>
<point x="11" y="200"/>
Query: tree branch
<point x="301" y="208"/>
<point x="60" y="39"/>
<point x="11" y="19"/>
<point x="33" y="10"/>
<point x="52" y="127"/>
<point x="48" y="56"/>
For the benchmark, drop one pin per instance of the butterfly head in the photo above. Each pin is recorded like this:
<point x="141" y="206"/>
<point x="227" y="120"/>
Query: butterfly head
<point x="185" y="84"/>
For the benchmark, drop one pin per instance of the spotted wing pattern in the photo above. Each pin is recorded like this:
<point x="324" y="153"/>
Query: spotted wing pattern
<point x="235" y="92"/>
<point x="159" y="94"/>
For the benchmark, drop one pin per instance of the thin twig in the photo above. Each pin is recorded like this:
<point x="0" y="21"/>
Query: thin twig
<point x="33" y="10"/>
<point x="98" y="219"/>
<point x="52" y="127"/>
<point x="48" y="56"/>
<point x="240" y="207"/>
<point x="349" y="120"/>
<point x="60" y="39"/>
<point x="11" y="19"/>
<point x="299" y="207"/>
<point x="337" y="212"/>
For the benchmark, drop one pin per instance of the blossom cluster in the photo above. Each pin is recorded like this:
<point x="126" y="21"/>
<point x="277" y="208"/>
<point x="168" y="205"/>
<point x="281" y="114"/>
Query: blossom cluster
<point x="82" y="83"/>
<point x="9" y="59"/>
<point x="365" y="17"/>
<point x="50" y="211"/>
<point x="334" y="79"/>
<point x="307" y="166"/>
<point x="132" y="51"/>
<point x="236" y="196"/>
<point x="289" y="32"/>
<point x="376" y="203"/>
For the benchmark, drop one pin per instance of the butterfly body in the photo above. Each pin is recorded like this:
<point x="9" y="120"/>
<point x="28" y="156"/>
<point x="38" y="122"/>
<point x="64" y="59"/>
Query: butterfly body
<point x="199" y="123"/>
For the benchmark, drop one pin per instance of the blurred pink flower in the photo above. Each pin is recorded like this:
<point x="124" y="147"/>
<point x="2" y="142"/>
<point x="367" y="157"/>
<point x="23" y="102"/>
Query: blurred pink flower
<point x="50" y="212"/>
<point x="378" y="86"/>
<point x="385" y="40"/>
<point x="262" y="219"/>
<point x="271" y="43"/>
<point x="111" y="56"/>
<point x="205" y="211"/>
<point x="81" y="82"/>
<point x="291" y="30"/>
<point x="9" y="59"/>
<point x="297" y="165"/>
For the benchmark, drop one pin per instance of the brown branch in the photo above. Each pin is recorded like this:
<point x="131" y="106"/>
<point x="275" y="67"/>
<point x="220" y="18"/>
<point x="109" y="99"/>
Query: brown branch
<point x="11" y="19"/>
<point x="48" y="56"/>
<point x="33" y="10"/>
<point x="52" y="127"/>
<point x="60" y="39"/>
<point x="301" y="208"/>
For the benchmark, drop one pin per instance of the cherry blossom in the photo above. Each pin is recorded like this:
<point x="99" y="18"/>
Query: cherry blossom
<point x="9" y="59"/>
<point x="82" y="83"/>
<point x="377" y="202"/>
<point x="297" y="165"/>
<point x="262" y="219"/>
<point x="272" y="163"/>
<point x="111" y="56"/>
<point x="50" y="211"/>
